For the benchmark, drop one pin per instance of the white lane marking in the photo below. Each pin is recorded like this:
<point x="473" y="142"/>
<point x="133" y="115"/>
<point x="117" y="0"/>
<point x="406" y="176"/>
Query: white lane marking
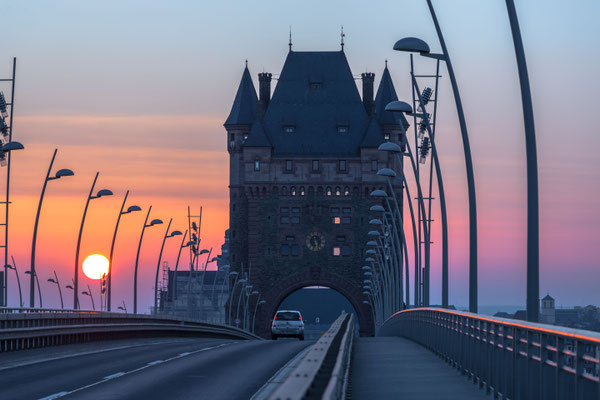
<point x="61" y="394"/>
<point x="118" y="374"/>
<point x="184" y="354"/>
<point x="85" y="353"/>
<point x="54" y="396"/>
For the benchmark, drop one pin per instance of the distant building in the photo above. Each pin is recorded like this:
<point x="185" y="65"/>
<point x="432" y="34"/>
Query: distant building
<point x="196" y="294"/>
<point x="223" y="259"/>
<point x="548" y="315"/>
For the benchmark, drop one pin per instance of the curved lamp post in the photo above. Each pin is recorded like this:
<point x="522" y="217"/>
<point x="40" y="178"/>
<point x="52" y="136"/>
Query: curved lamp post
<point x="57" y="283"/>
<point x="181" y="247"/>
<point x="167" y="235"/>
<point x="129" y="210"/>
<point x="89" y="293"/>
<point x="533" y="219"/>
<point x="70" y="287"/>
<point x="247" y="308"/>
<point x="59" y="174"/>
<point x="415" y="45"/>
<point x="243" y="282"/>
<point x="230" y="300"/>
<point x="101" y="193"/>
<point x="137" y="257"/>
<point x="14" y="267"/>
<point x="123" y="307"/>
<point x="37" y="281"/>
<point x="403" y="107"/>
<point x="258" y="303"/>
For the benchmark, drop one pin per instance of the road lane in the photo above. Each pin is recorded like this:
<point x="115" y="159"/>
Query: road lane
<point x="181" y="368"/>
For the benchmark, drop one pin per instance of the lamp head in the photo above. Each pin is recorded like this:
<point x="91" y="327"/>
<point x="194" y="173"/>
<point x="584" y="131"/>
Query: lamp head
<point x="387" y="172"/>
<point x="69" y="287"/>
<point x="156" y="222"/>
<point x="390" y="147"/>
<point x="190" y="243"/>
<point x="51" y="280"/>
<point x="10" y="146"/>
<point x="399" y="106"/>
<point x="175" y="233"/>
<point x="412" y="45"/>
<point x="133" y="208"/>
<point x="370" y="251"/>
<point x="203" y="251"/>
<point x="371" y="243"/>
<point x="377" y="208"/>
<point x="369" y="259"/>
<point x="104" y="192"/>
<point x="373" y="233"/>
<point x="63" y="172"/>
<point x="366" y="268"/>
<point x="379" y="193"/>
<point x="375" y="221"/>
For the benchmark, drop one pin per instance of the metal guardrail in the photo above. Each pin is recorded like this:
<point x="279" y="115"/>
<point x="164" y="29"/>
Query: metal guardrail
<point x="511" y="359"/>
<point x="20" y="310"/>
<point x="323" y="372"/>
<point x="25" y="330"/>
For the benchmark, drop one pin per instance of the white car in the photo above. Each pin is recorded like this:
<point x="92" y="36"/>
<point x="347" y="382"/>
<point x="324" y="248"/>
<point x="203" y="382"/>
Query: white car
<point x="287" y="323"/>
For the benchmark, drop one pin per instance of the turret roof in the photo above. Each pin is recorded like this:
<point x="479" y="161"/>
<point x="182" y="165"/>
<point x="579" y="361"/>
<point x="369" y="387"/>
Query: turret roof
<point x="243" y="110"/>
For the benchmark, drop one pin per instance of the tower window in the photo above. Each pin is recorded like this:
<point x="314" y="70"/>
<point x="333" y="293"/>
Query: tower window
<point x="342" y="129"/>
<point x="289" y="128"/>
<point x="386" y="136"/>
<point x="289" y="165"/>
<point x="256" y="165"/>
<point x="315" y="86"/>
<point x="295" y="250"/>
<point x="336" y="220"/>
<point x="374" y="165"/>
<point x="285" y="250"/>
<point x="315" y="165"/>
<point x="342" y="165"/>
<point x="245" y="135"/>
<point x="337" y="251"/>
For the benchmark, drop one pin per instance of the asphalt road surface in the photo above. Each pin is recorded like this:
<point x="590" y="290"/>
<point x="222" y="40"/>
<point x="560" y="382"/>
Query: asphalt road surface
<point x="200" y="368"/>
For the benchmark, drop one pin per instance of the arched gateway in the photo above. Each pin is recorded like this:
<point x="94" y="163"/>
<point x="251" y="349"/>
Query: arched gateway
<point x="314" y="276"/>
<point x="302" y="165"/>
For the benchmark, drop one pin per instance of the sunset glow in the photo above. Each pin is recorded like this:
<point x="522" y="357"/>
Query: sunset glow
<point x="95" y="266"/>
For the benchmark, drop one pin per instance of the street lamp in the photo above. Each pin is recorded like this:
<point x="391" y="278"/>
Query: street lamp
<point x="37" y="281"/>
<point x="167" y="235"/>
<point x="181" y="247"/>
<point x="14" y="267"/>
<point x="247" y="306"/>
<point x="415" y="45"/>
<point x="243" y="282"/>
<point x="57" y="283"/>
<point x="59" y="174"/>
<point x="230" y="299"/>
<point x="137" y="257"/>
<point x="100" y="193"/>
<point x="89" y="293"/>
<point x="129" y="210"/>
<point x="258" y="303"/>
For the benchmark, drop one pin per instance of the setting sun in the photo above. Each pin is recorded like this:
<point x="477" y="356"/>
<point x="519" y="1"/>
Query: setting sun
<point x="95" y="265"/>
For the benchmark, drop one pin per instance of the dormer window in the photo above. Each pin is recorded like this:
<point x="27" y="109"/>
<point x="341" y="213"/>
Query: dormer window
<point x="289" y="129"/>
<point x="386" y="136"/>
<point x="342" y="129"/>
<point x="316" y="86"/>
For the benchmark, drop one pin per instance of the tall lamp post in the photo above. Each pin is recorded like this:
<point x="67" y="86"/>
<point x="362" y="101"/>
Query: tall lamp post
<point x="181" y="247"/>
<point x="137" y="257"/>
<point x="59" y="174"/>
<point x="258" y="303"/>
<point x="89" y="293"/>
<point x="167" y="235"/>
<point x="101" y="193"/>
<point x="415" y="45"/>
<point x="37" y="281"/>
<point x="533" y="219"/>
<point x="57" y="283"/>
<point x="129" y="210"/>
<point x="14" y="267"/>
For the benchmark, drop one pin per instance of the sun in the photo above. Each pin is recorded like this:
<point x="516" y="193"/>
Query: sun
<point x="95" y="265"/>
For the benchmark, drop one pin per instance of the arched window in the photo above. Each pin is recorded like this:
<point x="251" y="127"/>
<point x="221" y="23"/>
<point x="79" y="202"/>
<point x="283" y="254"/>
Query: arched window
<point x="302" y="191"/>
<point x="355" y="191"/>
<point x="328" y="191"/>
<point x="275" y="190"/>
<point x="367" y="191"/>
<point x="284" y="190"/>
<point x="338" y="191"/>
<point x="346" y="191"/>
<point x="293" y="191"/>
<point x="320" y="191"/>
<point x="311" y="190"/>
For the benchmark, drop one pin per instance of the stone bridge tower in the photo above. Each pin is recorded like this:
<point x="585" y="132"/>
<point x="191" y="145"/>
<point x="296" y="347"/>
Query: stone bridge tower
<point x="302" y="165"/>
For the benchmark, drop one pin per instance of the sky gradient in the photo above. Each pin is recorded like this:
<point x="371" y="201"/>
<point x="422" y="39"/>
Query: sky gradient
<point x="139" y="90"/>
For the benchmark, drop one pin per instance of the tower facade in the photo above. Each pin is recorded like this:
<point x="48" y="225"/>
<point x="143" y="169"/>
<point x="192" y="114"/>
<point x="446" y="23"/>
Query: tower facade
<point x="302" y="165"/>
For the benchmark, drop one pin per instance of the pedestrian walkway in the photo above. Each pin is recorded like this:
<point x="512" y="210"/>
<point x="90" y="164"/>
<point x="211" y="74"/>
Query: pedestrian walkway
<point x="397" y="368"/>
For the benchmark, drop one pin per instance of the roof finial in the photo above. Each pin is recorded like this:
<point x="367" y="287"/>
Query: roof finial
<point x="342" y="34"/>
<point x="246" y="63"/>
<point x="290" y="42"/>
<point x="386" y="62"/>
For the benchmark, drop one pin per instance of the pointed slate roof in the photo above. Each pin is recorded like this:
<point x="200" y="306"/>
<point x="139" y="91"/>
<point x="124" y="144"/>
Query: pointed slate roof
<point x="386" y="94"/>
<point x="243" y="110"/>
<point x="374" y="136"/>
<point x="257" y="136"/>
<point x="315" y="94"/>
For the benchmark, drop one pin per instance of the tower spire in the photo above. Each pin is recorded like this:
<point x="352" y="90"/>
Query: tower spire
<point x="290" y="42"/>
<point x="342" y="35"/>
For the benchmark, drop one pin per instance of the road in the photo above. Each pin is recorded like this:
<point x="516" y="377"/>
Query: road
<point x="182" y="368"/>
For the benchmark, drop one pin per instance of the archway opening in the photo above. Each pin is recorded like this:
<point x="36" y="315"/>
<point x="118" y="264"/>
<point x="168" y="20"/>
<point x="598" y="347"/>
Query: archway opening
<point x="320" y="306"/>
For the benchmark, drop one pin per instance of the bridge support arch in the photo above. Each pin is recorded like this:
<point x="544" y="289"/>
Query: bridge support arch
<point x="314" y="276"/>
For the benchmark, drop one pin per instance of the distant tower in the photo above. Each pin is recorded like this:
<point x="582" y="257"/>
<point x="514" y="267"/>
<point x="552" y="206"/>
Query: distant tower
<point x="548" y="310"/>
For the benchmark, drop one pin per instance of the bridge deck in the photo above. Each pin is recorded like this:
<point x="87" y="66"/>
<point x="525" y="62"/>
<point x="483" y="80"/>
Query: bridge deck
<point x="397" y="368"/>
